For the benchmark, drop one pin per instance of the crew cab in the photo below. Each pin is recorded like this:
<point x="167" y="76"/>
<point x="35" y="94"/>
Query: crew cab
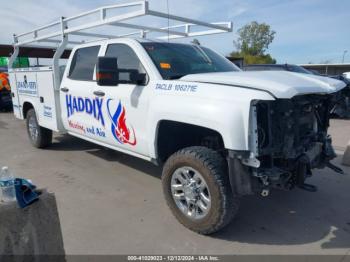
<point x="219" y="133"/>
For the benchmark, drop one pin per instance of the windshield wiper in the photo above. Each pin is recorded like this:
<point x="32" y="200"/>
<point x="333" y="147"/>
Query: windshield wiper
<point x="205" y="56"/>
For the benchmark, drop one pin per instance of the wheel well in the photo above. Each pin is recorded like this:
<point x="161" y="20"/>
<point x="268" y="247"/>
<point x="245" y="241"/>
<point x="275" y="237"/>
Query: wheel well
<point x="173" y="136"/>
<point x="26" y="107"/>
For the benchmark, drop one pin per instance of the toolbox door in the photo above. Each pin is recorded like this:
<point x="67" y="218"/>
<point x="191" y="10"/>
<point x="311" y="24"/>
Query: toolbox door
<point x="47" y="99"/>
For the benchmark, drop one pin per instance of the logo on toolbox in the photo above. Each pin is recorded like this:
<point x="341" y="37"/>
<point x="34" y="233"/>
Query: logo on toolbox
<point x="119" y="128"/>
<point x="27" y="87"/>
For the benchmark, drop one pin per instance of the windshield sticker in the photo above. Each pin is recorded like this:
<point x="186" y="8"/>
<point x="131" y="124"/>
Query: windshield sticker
<point x="177" y="87"/>
<point x="165" y="65"/>
<point x="119" y="127"/>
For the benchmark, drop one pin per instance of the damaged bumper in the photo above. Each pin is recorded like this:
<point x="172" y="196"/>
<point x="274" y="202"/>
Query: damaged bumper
<point x="287" y="139"/>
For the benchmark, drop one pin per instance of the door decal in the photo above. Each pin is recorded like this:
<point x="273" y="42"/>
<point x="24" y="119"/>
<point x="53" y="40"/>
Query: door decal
<point x="89" y="106"/>
<point x="119" y="127"/>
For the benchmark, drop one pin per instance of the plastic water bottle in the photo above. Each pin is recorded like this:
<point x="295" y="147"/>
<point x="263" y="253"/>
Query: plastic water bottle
<point x="7" y="185"/>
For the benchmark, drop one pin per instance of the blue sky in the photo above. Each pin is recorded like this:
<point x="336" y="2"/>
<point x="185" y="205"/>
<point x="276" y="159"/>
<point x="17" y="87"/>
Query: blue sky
<point x="307" y="30"/>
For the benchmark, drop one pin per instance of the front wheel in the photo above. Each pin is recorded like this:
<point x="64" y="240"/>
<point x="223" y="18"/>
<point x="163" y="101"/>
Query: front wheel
<point x="197" y="189"/>
<point x="40" y="137"/>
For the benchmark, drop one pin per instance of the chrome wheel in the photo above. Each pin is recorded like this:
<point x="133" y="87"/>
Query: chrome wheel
<point x="190" y="193"/>
<point x="33" y="128"/>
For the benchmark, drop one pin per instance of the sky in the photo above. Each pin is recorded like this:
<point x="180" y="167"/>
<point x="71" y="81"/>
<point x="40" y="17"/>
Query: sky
<point x="307" y="31"/>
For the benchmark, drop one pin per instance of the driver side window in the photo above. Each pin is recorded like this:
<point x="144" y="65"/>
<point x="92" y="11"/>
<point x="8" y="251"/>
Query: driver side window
<point x="128" y="62"/>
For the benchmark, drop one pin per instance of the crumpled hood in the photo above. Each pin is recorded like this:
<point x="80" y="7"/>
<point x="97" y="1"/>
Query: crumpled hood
<point x="281" y="84"/>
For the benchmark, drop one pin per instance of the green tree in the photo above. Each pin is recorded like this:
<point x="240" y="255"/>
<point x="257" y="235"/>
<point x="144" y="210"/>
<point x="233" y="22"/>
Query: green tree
<point x="252" y="43"/>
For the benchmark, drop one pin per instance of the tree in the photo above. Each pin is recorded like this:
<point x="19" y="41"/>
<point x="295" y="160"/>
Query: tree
<point x="254" y="38"/>
<point x="252" y="43"/>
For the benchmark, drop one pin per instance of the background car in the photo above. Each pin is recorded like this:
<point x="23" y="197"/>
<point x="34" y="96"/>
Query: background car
<point x="277" y="67"/>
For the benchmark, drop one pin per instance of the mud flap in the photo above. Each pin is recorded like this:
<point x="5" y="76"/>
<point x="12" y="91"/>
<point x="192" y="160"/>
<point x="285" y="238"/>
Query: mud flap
<point x="240" y="177"/>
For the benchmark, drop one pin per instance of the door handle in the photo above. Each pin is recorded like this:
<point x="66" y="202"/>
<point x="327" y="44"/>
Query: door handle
<point x="99" y="93"/>
<point x="64" y="89"/>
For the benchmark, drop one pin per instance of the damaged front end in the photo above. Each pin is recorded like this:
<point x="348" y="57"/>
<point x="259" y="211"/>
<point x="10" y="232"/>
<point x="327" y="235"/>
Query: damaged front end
<point x="287" y="139"/>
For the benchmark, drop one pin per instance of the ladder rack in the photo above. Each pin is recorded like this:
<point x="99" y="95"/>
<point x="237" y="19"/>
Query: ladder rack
<point x="182" y="30"/>
<point x="61" y="30"/>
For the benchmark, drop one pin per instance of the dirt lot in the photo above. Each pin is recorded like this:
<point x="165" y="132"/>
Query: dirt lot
<point x="110" y="203"/>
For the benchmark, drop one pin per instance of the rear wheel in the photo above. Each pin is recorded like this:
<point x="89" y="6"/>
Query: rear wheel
<point x="197" y="189"/>
<point x="40" y="137"/>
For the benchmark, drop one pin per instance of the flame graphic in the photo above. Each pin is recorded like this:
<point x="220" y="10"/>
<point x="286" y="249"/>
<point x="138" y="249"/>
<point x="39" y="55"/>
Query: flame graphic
<point x="119" y="129"/>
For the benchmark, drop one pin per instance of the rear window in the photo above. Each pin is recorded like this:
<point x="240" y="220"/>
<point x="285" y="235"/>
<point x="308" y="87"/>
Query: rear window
<point x="83" y="63"/>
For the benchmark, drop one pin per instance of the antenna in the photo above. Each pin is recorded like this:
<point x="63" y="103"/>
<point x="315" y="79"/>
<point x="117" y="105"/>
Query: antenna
<point x="168" y="10"/>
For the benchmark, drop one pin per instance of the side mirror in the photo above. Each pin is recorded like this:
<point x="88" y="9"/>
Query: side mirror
<point x="138" y="78"/>
<point x="107" y="72"/>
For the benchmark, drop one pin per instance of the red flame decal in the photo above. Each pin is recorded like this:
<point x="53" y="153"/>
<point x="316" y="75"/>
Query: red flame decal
<point x="119" y="128"/>
<point x="123" y="132"/>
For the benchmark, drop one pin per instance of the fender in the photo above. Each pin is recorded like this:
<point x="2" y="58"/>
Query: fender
<point x="226" y="111"/>
<point x="27" y="100"/>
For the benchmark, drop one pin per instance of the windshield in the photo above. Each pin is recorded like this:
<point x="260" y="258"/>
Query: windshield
<point x="177" y="60"/>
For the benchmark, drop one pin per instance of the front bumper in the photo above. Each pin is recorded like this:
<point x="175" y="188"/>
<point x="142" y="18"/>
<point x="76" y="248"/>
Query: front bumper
<point x="287" y="139"/>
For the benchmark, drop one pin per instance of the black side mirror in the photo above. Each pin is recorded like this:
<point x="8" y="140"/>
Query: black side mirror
<point x="107" y="72"/>
<point x="137" y="77"/>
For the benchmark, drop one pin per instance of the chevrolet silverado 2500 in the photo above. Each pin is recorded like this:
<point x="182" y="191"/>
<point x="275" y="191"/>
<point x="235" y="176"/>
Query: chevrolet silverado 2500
<point x="219" y="133"/>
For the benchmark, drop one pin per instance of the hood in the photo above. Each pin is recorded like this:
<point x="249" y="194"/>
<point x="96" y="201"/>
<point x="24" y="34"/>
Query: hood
<point x="281" y="84"/>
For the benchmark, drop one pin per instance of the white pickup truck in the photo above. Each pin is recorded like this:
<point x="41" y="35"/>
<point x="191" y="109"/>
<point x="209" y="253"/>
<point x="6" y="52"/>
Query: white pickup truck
<point x="219" y="133"/>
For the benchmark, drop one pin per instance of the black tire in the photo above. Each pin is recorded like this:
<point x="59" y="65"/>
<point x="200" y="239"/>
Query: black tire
<point x="44" y="135"/>
<point x="213" y="168"/>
